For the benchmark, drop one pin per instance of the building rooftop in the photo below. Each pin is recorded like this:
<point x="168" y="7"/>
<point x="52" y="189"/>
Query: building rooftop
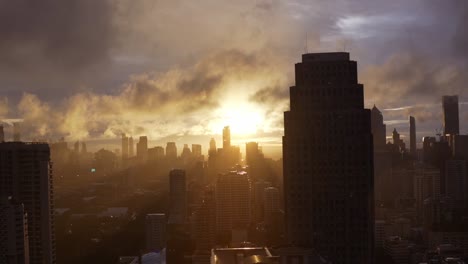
<point x="327" y="56"/>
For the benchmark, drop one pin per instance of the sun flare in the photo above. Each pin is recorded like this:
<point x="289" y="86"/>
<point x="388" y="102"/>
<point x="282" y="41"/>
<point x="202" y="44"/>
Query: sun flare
<point x="243" y="119"/>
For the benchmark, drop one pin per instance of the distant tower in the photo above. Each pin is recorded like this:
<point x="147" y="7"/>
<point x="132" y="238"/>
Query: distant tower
<point x="124" y="147"/>
<point x="2" y="134"/>
<point x="451" y="118"/>
<point x="379" y="129"/>
<point x="271" y="203"/>
<point x="396" y="137"/>
<point x="196" y="150"/>
<point x="413" y="136"/>
<point x="84" y="150"/>
<point x="16" y="132"/>
<point x="155" y="232"/>
<point x="171" y="151"/>
<point x="131" y="147"/>
<point x="177" y="197"/>
<point x="226" y="137"/>
<point x="142" y="149"/>
<point x="212" y="145"/>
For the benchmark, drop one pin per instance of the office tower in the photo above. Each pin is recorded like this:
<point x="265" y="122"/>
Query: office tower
<point x="2" y="134"/>
<point x="412" y="136"/>
<point x="171" y="151"/>
<point x="456" y="181"/>
<point x="186" y="153"/>
<point x="124" y="147"/>
<point x="226" y="137"/>
<point x="131" y="147"/>
<point x="426" y="185"/>
<point x="26" y="176"/>
<point x="177" y="197"/>
<point x="142" y="149"/>
<point x="14" y="240"/>
<point x="212" y="145"/>
<point x="16" y="132"/>
<point x="328" y="160"/>
<point x="205" y="222"/>
<point x="197" y="150"/>
<point x="156" y="153"/>
<point x="155" y="225"/>
<point x="232" y="201"/>
<point x="84" y="149"/>
<point x="271" y="203"/>
<point x="251" y="152"/>
<point x="379" y="129"/>
<point x="451" y="119"/>
<point x="258" y="200"/>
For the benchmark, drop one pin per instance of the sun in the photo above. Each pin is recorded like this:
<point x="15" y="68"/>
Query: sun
<point x="243" y="119"/>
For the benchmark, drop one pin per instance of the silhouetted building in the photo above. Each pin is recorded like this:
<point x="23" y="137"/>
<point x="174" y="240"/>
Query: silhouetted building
<point x="397" y="141"/>
<point x="156" y="153"/>
<point x="451" y="119"/>
<point x="131" y="147"/>
<point x="328" y="160"/>
<point x="232" y="201"/>
<point x="271" y="204"/>
<point x="204" y="232"/>
<point x="197" y="150"/>
<point x="177" y="197"/>
<point x="226" y="137"/>
<point x="26" y="176"/>
<point x="413" y="136"/>
<point x="379" y="129"/>
<point x="142" y="149"/>
<point x="212" y="145"/>
<point x="14" y="239"/>
<point x="124" y="147"/>
<point x="258" y="200"/>
<point x="155" y="232"/>
<point x="2" y="134"/>
<point x="456" y="181"/>
<point x="16" y="132"/>
<point x="171" y="151"/>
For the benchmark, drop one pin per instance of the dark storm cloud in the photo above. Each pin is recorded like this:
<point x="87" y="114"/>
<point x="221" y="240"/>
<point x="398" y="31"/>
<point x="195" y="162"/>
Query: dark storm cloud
<point x="270" y="95"/>
<point x="65" y="34"/>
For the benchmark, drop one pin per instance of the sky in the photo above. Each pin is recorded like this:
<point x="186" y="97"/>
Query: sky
<point x="180" y="71"/>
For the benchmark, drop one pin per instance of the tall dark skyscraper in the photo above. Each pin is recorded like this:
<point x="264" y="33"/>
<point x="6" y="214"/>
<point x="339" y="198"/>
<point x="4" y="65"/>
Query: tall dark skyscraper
<point x="451" y="120"/>
<point x="379" y="129"/>
<point x="412" y="136"/>
<point x="26" y="177"/>
<point x="328" y="160"/>
<point x="2" y="134"/>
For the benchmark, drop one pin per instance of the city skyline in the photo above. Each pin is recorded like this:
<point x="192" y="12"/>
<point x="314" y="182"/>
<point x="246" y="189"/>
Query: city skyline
<point x="239" y="76"/>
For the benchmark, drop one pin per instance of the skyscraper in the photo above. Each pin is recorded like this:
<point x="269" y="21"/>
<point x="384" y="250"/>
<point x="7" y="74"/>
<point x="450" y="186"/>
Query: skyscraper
<point x="171" y="151"/>
<point x="177" y="197"/>
<point x="379" y="129"/>
<point x="451" y="119"/>
<point x="142" y="149"/>
<point x="131" y="147"/>
<point x="124" y="147"/>
<point x="328" y="160"/>
<point x="26" y="176"/>
<point x="412" y="136"/>
<point x="155" y="225"/>
<point x="226" y="137"/>
<point x="212" y="145"/>
<point x="232" y="201"/>
<point x="14" y="240"/>
<point x="16" y="132"/>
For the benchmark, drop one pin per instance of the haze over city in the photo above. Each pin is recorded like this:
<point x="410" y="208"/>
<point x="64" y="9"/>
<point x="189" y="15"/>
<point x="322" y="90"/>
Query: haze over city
<point x="91" y="71"/>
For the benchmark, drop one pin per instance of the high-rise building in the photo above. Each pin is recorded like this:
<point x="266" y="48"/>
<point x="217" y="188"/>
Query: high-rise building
<point x="131" y="147"/>
<point x="412" y="136"/>
<point x="205" y="222"/>
<point x="379" y="129"/>
<point x="232" y="201"/>
<point x="196" y="150"/>
<point x="26" y="176"/>
<point x="226" y="137"/>
<point x="16" y="132"/>
<point x="124" y="147"/>
<point x="14" y="240"/>
<point x="177" y="197"/>
<point x="271" y="203"/>
<point x="456" y="181"/>
<point x="171" y="151"/>
<point x="155" y="232"/>
<point x="212" y="145"/>
<point x="142" y="149"/>
<point x="156" y="153"/>
<point x="258" y="200"/>
<point x="2" y="134"/>
<point x="451" y="119"/>
<point x="328" y="160"/>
